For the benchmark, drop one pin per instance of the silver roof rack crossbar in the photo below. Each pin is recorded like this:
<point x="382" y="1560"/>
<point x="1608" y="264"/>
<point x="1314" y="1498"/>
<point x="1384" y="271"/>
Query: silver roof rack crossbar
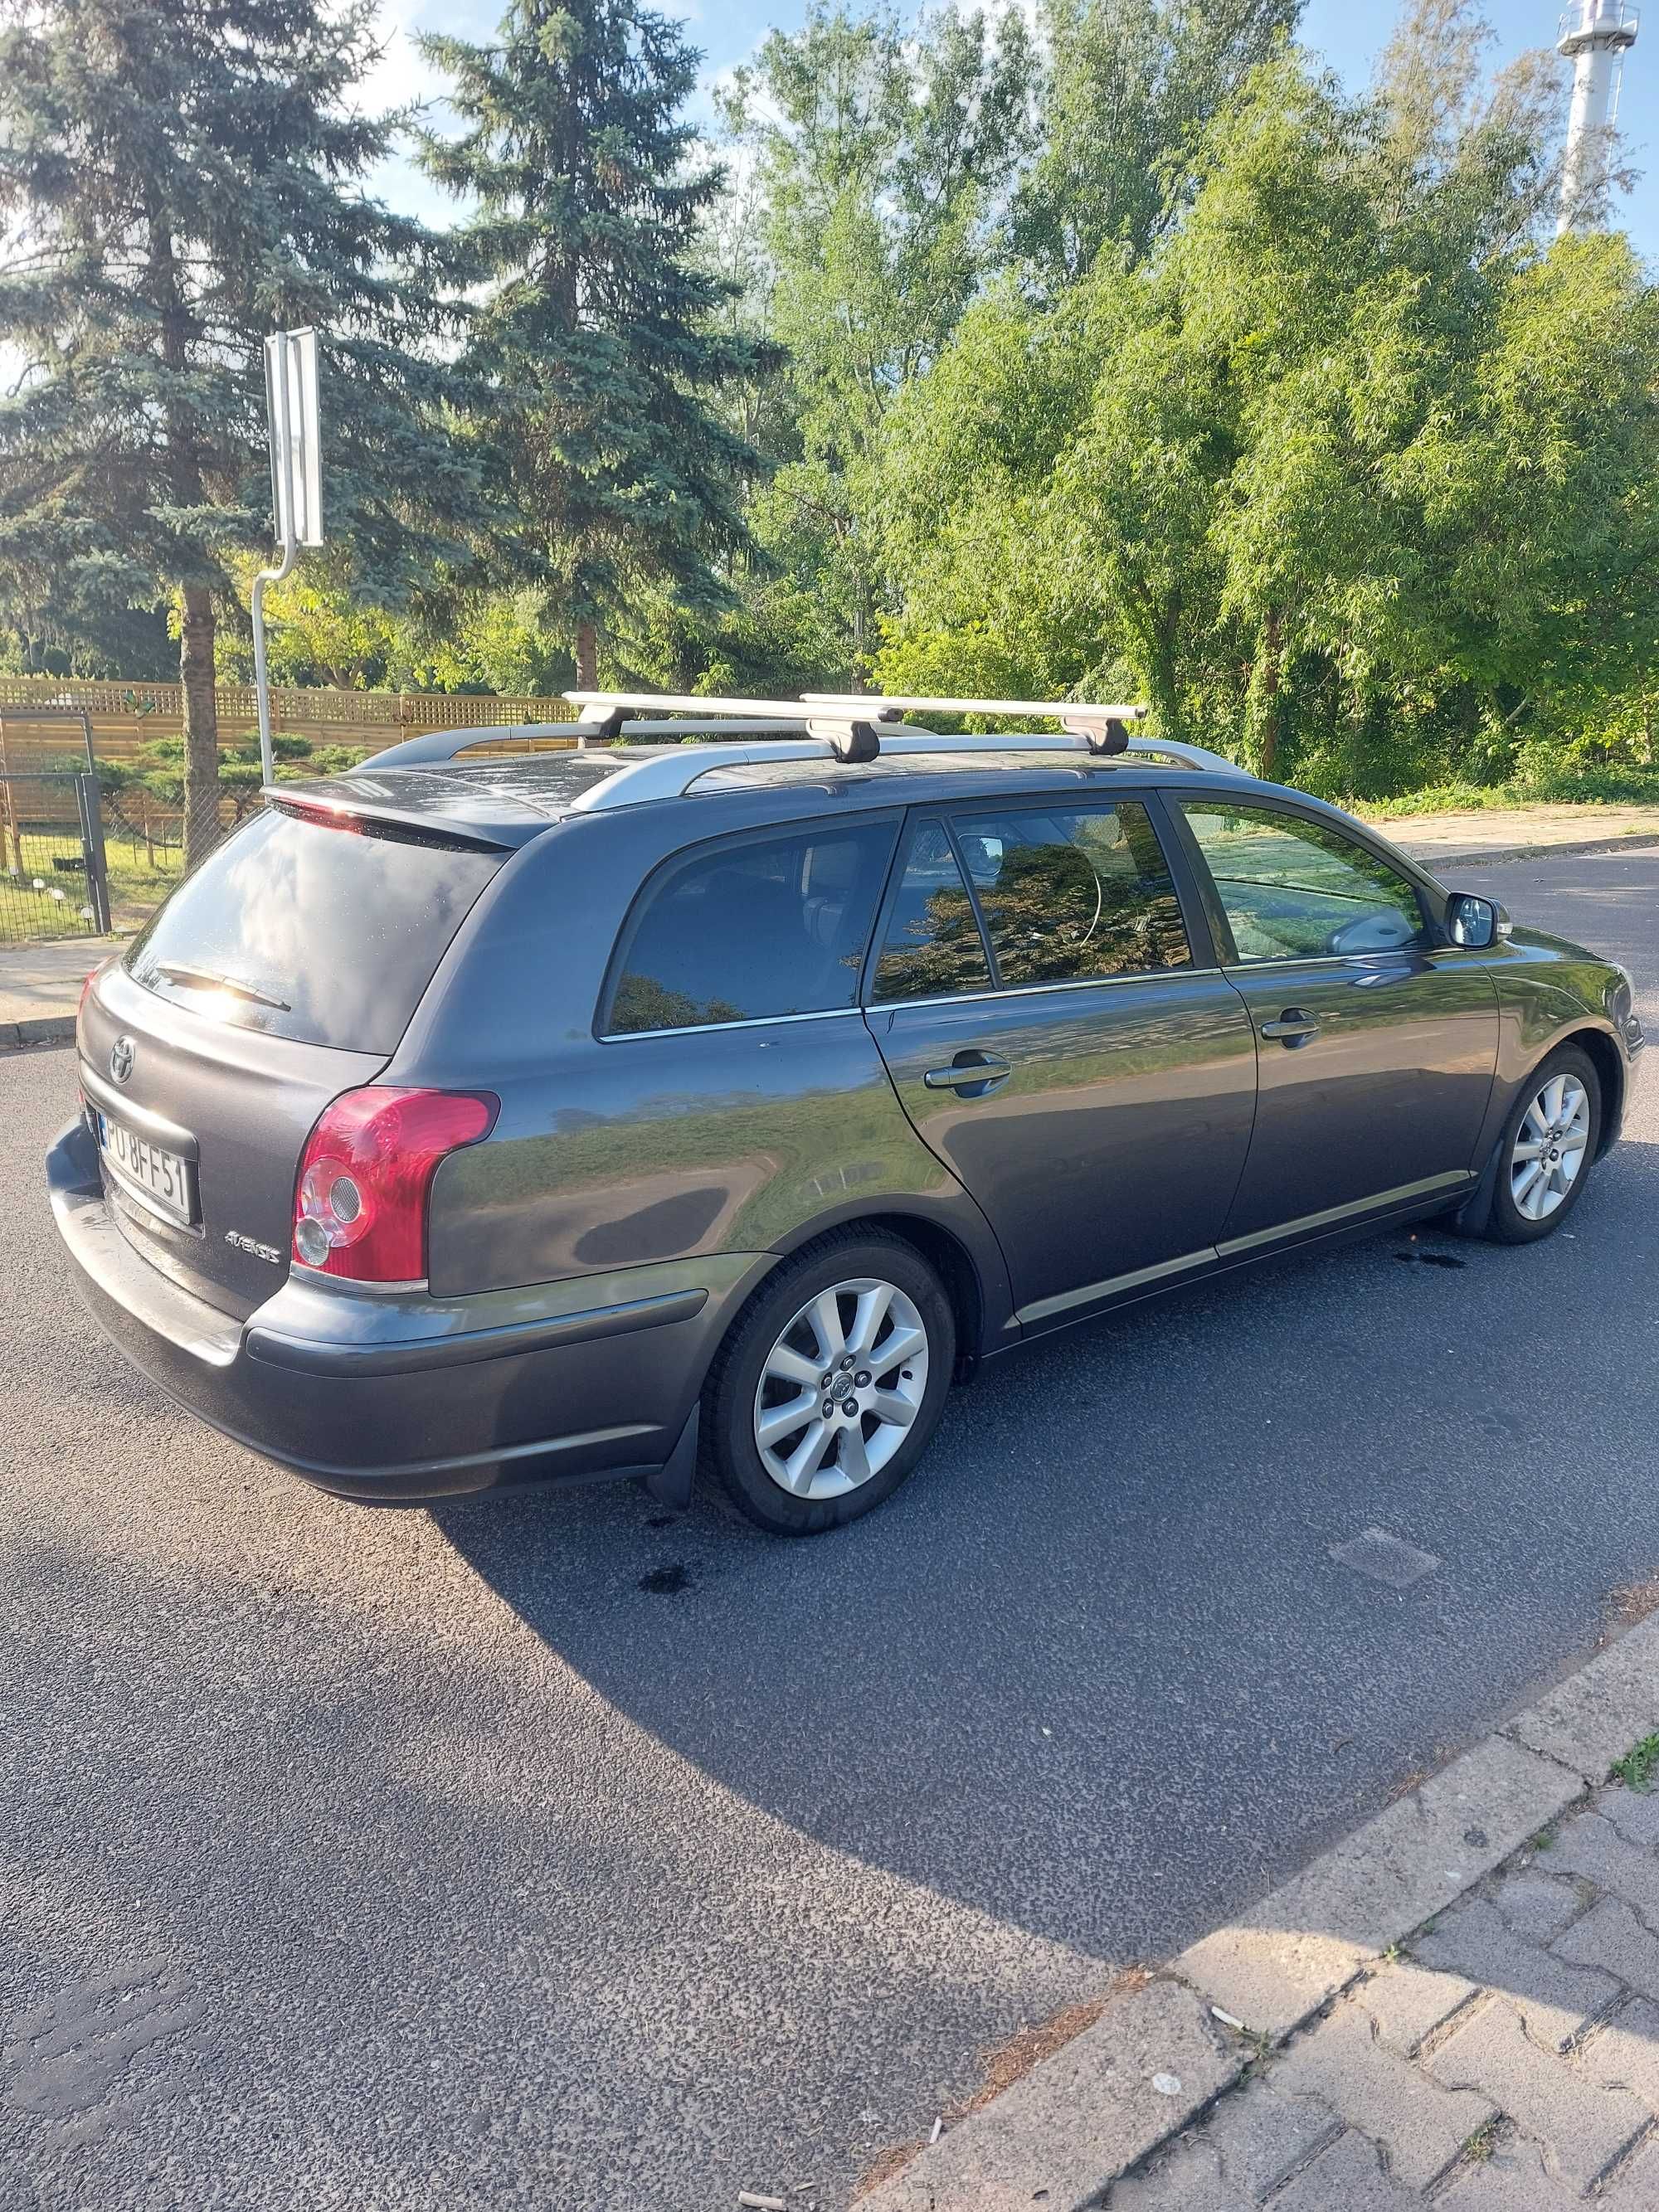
<point x="1105" y="729"/>
<point x="1102" y="728"/>
<point x="846" y="726"/>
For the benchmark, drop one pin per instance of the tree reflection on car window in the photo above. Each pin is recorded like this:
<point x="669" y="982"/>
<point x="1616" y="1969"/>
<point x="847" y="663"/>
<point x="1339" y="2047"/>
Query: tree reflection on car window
<point x="932" y="947"/>
<point x="1068" y="895"/>
<point x="1074" y="894"/>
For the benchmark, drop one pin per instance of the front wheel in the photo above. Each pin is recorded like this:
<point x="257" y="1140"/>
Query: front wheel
<point x="826" y="1393"/>
<point x="1546" y="1150"/>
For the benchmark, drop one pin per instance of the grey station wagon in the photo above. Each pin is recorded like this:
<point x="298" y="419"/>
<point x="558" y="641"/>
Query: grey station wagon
<point x="624" y="1110"/>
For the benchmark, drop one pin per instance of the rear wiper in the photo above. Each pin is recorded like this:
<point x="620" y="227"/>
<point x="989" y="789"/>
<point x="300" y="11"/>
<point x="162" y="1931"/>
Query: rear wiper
<point x="176" y="971"/>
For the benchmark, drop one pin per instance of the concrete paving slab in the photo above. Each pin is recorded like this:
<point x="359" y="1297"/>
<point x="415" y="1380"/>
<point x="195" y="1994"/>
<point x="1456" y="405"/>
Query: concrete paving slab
<point x="1152" y="2062"/>
<point x="43" y="981"/>
<point x="1274" y="1967"/>
<point x="1598" y="1713"/>
<point x="1481" y="835"/>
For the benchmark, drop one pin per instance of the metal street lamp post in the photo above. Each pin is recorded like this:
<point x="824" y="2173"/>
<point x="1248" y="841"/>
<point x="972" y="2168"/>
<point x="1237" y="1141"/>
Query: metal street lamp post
<point x="296" y="488"/>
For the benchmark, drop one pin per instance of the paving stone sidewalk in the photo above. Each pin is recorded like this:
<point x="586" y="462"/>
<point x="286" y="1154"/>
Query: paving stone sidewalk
<point x="1506" y="2059"/>
<point x="1457" y="2006"/>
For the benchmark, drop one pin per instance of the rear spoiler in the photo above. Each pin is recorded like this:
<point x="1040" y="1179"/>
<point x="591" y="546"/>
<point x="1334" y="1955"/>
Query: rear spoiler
<point x="368" y="817"/>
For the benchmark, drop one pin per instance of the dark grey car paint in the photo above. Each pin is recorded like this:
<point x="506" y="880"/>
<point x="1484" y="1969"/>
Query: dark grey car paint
<point x="587" y="1259"/>
<point x="1388" y="1089"/>
<point x="245" y="1100"/>
<point x="1117" y="1139"/>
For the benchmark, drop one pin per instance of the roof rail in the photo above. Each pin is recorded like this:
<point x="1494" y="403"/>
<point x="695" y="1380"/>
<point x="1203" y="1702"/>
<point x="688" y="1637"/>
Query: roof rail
<point x="443" y="745"/>
<point x="671" y="771"/>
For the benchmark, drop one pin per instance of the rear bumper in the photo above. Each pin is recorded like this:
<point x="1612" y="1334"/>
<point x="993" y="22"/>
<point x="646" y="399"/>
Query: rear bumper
<point x="403" y="1396"/>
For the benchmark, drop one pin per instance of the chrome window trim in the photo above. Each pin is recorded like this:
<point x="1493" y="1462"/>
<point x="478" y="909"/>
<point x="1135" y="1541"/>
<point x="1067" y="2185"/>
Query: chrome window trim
<point x="1031" y="990"/>
<point x="746" y="1022"/>
<point x="893" y="1005"/>
<point x="1336" y="959"/>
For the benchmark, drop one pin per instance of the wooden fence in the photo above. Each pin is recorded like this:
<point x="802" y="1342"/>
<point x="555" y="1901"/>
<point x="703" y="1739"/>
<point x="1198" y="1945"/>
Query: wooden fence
<point x="127" y="715"/>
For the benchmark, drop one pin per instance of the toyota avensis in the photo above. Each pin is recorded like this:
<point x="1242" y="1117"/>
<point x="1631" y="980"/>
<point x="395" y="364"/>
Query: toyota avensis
<point x="633" y="1108"/>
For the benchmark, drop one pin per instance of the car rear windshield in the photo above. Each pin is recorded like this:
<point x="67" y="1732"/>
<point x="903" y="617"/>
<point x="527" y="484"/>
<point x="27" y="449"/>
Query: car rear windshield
<point x="327" y="935"/>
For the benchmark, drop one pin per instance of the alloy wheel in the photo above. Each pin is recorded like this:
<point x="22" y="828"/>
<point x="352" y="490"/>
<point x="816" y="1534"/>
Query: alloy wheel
<point x="841" y="1388"/>
<point x="1549" y="1147"/>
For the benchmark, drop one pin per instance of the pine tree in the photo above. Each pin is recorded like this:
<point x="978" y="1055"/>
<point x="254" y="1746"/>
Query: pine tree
<point x="178" y="178"/>
<point x="596" y="344"/>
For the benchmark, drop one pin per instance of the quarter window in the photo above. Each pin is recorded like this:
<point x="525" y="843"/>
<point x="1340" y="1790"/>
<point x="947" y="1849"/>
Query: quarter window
<point x="1293" y="888"/>
<point x="932" y="947"/>
<point x="1074" y="894"/>
<point x="757" y="928"/>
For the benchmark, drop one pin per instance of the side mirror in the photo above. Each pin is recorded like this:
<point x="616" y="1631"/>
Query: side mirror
<point x="1475" y="923"/>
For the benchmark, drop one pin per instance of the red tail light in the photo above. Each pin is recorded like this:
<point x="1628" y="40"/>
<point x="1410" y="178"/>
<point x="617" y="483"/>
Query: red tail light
<point x="360" y="1205"/>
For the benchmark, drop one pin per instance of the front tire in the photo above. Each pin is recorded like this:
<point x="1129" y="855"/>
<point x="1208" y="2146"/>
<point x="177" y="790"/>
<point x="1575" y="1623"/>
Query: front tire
<point x="830" y="1385"/>
<point x="1545" y="1152"/>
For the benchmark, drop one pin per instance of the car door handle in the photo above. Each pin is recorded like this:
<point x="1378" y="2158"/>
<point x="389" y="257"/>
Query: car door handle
<point x="1292" y="1027"/>
<point x="970" y="1072"/>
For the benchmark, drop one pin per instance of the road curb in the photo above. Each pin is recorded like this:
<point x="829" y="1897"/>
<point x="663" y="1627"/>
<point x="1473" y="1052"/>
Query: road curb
<point x="1483" y="856"/>
<point x="44" y="1029"/>
<point x="1104" y="2104"/>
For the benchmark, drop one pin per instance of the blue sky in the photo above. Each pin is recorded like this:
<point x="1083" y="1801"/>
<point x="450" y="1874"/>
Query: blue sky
<point x="1350" y="34"/>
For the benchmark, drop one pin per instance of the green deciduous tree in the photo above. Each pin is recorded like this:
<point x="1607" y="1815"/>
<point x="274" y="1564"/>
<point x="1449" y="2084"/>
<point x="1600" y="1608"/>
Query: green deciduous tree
<point x="884" y="155"/>
<point x="598" y="344"/>
<point x="1353" y="473"/>
<point x="176" y="180"/>
<point x="1128" y="89"/>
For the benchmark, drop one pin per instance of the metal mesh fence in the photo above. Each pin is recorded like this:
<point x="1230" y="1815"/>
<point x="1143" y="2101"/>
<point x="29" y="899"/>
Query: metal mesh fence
<point x="203" y="825"/>
<point x="50" y="867"/>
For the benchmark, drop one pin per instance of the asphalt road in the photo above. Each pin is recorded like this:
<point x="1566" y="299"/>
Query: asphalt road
<point x="540" y="1852"/>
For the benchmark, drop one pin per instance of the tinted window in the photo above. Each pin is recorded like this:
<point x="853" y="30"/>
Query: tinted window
<point x="1294" y="889"/>
<point x="330" y="938"/>
<point x="1072" y="893"/>
<point x="773" y="926"/>
<point x="932" y="947"/>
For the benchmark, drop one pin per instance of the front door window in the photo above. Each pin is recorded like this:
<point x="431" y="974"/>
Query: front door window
<point x="1292" y="889"/>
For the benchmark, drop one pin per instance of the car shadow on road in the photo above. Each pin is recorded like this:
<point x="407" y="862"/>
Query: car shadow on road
<point x="1094" y="1670"/>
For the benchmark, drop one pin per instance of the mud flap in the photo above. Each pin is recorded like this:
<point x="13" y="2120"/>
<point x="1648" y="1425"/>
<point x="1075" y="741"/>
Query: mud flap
<point x="671" y="1484"/>
<point x="1472" y="1218"/>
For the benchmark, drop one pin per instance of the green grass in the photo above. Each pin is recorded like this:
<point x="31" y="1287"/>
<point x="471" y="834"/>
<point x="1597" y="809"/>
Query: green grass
<point x="1637" y="1768"/>
<point x="1629" y="786"/>
<point x="29" y="916"/>
<point x="1483" y="2143"/>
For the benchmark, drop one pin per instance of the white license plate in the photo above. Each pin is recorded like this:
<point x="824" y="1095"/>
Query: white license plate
<point x="156" y="1175"/>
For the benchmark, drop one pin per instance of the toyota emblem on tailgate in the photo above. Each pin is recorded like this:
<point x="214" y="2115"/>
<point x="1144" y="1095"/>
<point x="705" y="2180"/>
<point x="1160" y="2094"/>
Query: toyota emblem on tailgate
<point x="120" y="1059"/>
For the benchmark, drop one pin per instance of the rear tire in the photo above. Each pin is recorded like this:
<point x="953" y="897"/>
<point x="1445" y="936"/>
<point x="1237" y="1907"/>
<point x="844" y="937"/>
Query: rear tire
<point x="857" y="1322"/>
<point x="1543" y="1157"/>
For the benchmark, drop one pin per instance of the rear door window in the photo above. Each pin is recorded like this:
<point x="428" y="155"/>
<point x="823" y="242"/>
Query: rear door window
<point x="326" y="935"/>
<point x="932" y="947"/>
<point x="1074" y="894"/>
<point x="753" y="928"/>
